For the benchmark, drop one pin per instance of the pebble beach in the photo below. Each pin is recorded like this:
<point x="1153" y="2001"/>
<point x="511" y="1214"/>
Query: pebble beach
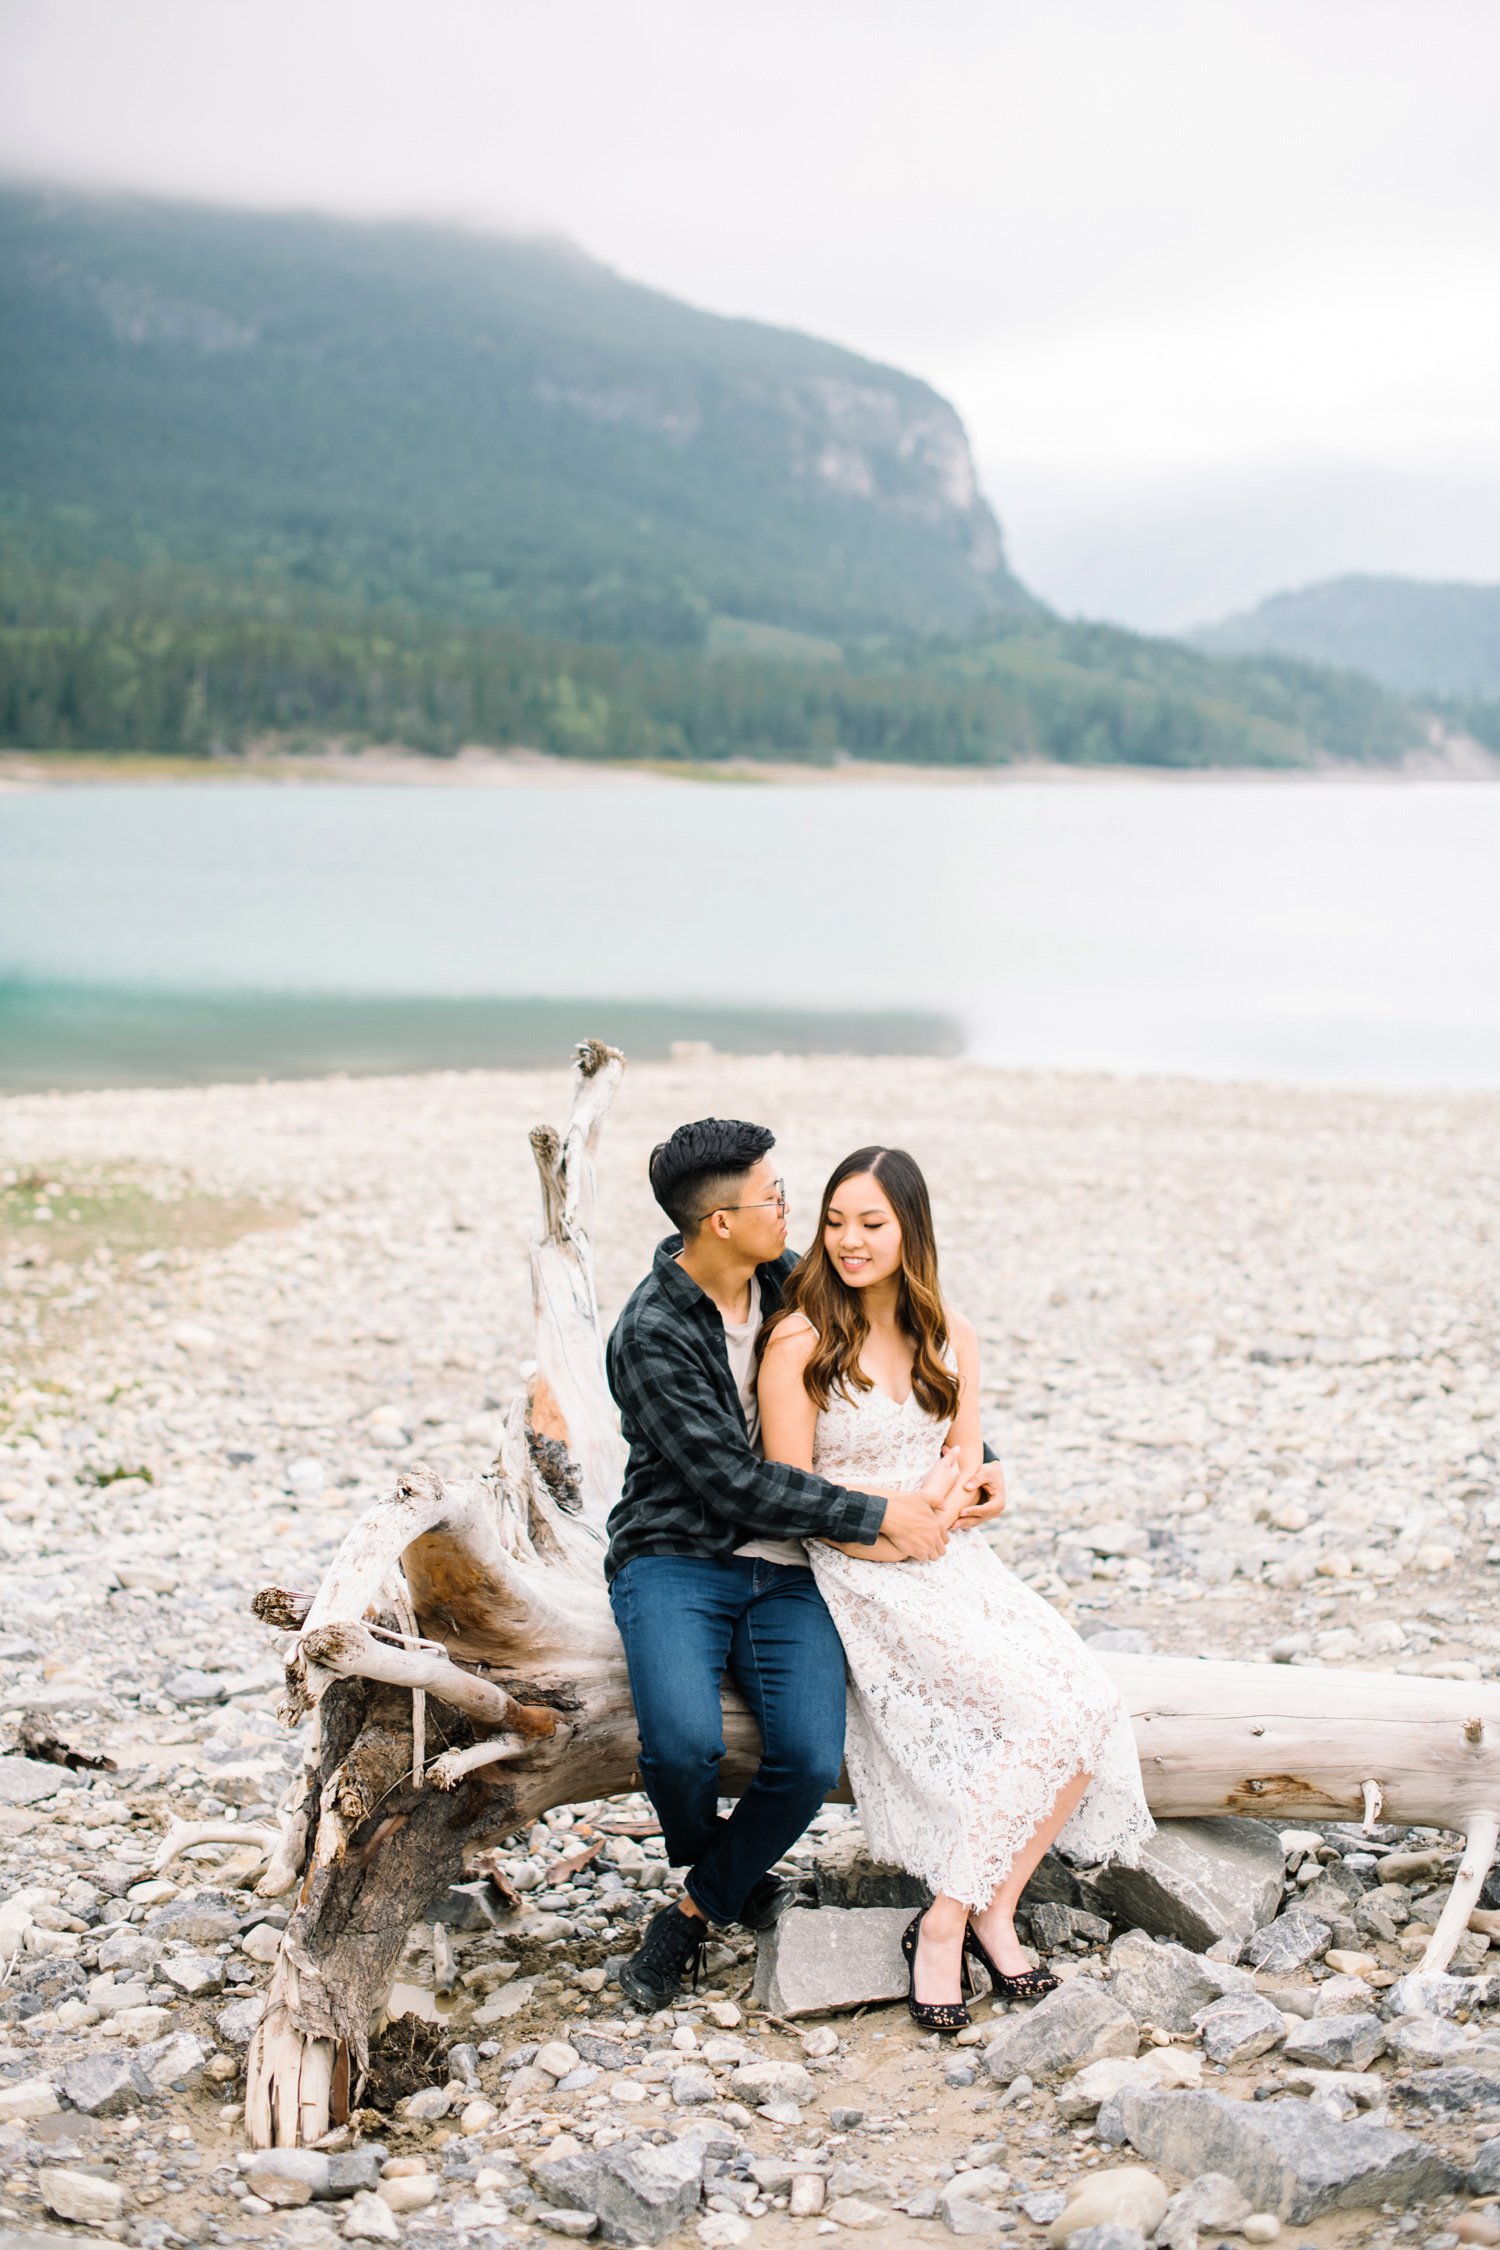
<point x="1242" y="1363"/>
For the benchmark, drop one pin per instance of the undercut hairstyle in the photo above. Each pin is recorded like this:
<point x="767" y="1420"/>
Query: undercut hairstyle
<point x="701" y="1167"/>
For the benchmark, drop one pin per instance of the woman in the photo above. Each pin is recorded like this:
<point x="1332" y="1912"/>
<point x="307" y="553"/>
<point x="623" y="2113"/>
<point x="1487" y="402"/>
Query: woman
<point x="980" y="1729"/>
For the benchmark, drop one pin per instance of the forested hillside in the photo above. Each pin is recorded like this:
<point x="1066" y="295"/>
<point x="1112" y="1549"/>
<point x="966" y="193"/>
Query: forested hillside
<point x="1417" y="636"/>
<point x="468" y="425"/>
<point x="297" y="478"/>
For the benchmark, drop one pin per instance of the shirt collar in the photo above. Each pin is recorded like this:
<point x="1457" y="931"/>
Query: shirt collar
<point x="682" y="1291"/>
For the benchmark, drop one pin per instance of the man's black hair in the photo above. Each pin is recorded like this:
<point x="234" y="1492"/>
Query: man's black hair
<point x="698" y="1170"/>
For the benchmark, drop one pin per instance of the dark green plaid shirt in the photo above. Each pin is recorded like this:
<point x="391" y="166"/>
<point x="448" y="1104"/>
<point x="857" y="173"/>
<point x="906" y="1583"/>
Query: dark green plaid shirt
<point x="694" y="1484"/>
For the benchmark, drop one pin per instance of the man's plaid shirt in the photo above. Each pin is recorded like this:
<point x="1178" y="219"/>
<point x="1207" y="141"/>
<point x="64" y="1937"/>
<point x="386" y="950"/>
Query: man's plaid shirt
<point x="694" y="1484"/>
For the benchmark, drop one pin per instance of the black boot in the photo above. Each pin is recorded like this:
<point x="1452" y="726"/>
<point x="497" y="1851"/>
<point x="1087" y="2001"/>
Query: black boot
<point x="653" y="1975"/>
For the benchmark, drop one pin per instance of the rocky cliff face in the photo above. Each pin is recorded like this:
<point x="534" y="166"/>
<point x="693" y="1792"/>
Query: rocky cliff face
<point x="374" y="400"/>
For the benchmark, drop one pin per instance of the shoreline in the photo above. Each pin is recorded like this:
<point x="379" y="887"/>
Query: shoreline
<point x="29" y="772"/>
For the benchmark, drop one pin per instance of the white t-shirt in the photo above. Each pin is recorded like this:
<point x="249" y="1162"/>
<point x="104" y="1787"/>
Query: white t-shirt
<point x="740" y="1343"/>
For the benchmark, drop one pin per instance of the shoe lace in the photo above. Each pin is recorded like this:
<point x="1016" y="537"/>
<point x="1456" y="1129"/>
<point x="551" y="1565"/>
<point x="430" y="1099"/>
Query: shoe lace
<point x="673" y="1948"/>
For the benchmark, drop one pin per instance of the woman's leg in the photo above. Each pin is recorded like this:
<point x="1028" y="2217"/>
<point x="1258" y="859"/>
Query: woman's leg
<point x="939" y="1966"/>
<point x="996" y="1923"/>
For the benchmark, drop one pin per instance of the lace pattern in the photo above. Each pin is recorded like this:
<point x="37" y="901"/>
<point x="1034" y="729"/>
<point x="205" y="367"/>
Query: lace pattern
<point x="972" y="1702"/>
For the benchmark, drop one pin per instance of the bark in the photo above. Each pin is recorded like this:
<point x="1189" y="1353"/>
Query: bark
<point x="463" y="1664"/>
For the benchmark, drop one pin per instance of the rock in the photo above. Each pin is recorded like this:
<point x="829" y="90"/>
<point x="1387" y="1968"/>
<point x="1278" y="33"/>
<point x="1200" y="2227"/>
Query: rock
<point x="1460" y="2091"/>
<point x="1241" y="2025"/>
<point x="603" y="2053"/>
<point x="1079" y="2023"/>
<point x="196" y="1918"/>
<point x="557" y="2058"/>
<point x="1419" y="2041"/>
<point x="1348" y="1964"/>
<point x="1280" y="2154"/>
<point x="818" y="1958"/>
<point x="1115" y="1537"/>
<point x="352" y="2171"/>
<point x="1107" y="2238"/>
<point x="81" y="2197"/>
<point x="1484" y="2172"/>
<point x="1124" y="2195"/>
<point x="1210" y="2204"/>
<point x="261" y="1944"/>
<point x="1290" y="1942"/>
<point x="845" y="1875"/>
<point x="1364" y="2089"/>
<point x="1261" y="2226"/>
<point x="1165" y="1984"/>
<point x="413" y="2191"/>
<point x="236" y="2023"/>
<point x="1079" y="2097"/>
<point x="1423" y="1994"/>
<point x="174" y="2064"/>
<point x="370" y="2220"/>
<point x="29" y="1781"/>
<point x="428" y="2104"/>
<point x="130" y="1950"/>
<point x="190" y="1686"/>
<point x="23" y="2098"/>
<point x="1198" y="1881"/>
<point x="194" y="1974"/>
<point x="849" y="2211"/>
<point x="285" y="2177"/>
<point x="1337" y="2042"/>
<point x="103" y="2084"/>
<point x="1343" y="1996"/>
<point x="639" y="2194"/>
<point x="583" y="2223"/>
<point x="967" y="2204"/>
<point x="692" y="2084"/>
<point x="772" y="2082"/>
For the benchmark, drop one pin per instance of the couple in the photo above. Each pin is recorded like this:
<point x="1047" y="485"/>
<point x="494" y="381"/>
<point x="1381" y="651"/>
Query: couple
<point x="769" y="1400"/>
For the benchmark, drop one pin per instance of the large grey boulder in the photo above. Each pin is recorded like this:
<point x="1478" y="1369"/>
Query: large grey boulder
<point x="1078" y="2023"/>
<point x="638" y="2192"/>
<point x="1484" y="2172"/>
<point x="1281" y="2155"/>
<point x="174" y="2064"/>
<point x="1165" y="1984"/>
<point x="824" y="1957"/>
<point x="1210" y="2204"/>
<point x="1198" y="1881"/>
<point x="197" y="1918"/>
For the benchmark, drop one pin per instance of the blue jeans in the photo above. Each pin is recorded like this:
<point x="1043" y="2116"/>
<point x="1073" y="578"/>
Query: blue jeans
<point x="686" y="1620"/>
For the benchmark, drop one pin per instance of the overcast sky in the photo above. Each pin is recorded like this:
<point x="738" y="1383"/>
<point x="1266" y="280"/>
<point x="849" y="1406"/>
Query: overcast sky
<point x="1214" y="283"/>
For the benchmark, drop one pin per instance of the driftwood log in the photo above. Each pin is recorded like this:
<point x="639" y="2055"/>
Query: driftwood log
<point x="464" y="1675"/>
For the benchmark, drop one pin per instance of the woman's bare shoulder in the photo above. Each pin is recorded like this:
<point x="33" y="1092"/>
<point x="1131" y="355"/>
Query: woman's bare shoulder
<point x="793" y="1336"/>
<point x="961" y="1329"/>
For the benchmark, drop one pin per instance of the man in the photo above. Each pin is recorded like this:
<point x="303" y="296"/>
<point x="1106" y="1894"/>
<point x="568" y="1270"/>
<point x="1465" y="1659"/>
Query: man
<point x="705" y="1569"/>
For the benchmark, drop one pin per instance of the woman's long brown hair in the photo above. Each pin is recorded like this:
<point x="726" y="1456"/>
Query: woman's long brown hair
<point x="816" y="1288"/>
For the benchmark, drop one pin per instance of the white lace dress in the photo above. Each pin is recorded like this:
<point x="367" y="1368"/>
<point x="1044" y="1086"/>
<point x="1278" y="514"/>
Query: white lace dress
<point x="972" y="1702"/>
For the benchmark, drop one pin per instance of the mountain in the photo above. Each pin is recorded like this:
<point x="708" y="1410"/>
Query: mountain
<point x="1415" y="636"/>
<point x="468" y="425"/>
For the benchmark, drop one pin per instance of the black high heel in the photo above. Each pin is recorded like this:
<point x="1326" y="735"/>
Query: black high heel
<point x="932" y="2015"/>
<point x="1031" y="1984"/>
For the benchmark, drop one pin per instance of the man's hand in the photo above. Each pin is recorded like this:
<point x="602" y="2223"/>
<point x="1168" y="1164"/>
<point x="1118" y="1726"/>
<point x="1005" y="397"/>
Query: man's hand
<point x="911" y="1523"/>
<point x="985" y="1490"/>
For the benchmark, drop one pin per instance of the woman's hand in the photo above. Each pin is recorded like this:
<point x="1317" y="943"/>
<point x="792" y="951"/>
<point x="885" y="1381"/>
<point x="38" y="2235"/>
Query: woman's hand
<point x="942" y="1487"/>
<point x="984" y="1491"/>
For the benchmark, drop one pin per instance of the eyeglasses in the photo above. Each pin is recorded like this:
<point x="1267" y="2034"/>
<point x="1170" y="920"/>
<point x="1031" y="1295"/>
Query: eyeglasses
<point x="775" y="1202"/>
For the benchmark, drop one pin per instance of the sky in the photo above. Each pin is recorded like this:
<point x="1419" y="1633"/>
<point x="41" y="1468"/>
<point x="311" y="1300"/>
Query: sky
<point x="1215" y="284"/>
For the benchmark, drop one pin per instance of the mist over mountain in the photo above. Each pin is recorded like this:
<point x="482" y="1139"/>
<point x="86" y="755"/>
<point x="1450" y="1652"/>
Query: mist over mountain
<point x="300" y="479"/>
<point x="1411" y="635"/>
<point x="467" y="422"/>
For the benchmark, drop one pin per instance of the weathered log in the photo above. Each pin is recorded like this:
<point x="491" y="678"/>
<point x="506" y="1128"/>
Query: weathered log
<point x="482" y="1602"/>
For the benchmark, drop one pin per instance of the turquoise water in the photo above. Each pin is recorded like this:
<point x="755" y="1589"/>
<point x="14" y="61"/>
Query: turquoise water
<point x="1337" y="932"/>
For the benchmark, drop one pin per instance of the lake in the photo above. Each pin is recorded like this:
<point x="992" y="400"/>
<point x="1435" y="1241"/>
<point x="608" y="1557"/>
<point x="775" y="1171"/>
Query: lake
<point x="1338" y="932"/>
